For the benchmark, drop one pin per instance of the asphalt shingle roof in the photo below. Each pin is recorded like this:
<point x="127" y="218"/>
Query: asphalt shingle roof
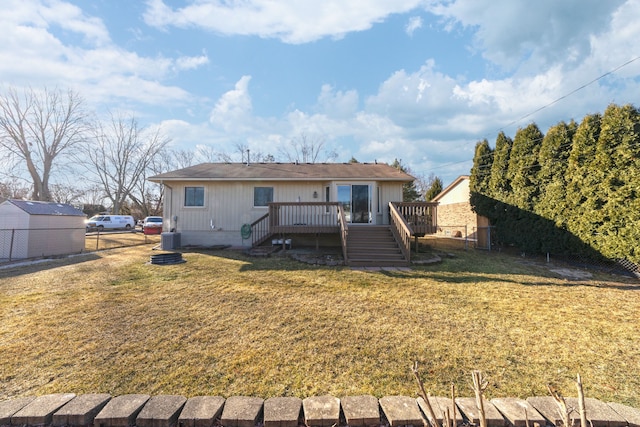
<point x="285" y="172"/>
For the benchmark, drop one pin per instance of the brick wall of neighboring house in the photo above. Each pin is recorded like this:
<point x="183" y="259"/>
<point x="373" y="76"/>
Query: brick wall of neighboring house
<point x="453" y="217"/>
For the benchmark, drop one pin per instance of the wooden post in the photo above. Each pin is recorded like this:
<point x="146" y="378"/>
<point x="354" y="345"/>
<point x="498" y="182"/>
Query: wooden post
<point x="562" y="406"/>
<point x="453" y="404"/>
<point x="13" y="232"/>
<point x="478" y="386"/>
<point x="583" y="411"/>
<point x="424" y="396"/>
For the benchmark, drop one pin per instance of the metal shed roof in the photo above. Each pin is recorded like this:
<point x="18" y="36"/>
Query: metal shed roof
<point x="46" y="208"/>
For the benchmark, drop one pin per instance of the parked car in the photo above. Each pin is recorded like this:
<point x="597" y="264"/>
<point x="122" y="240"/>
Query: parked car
<point x="110" y="222"/>
<point x="152" y="225"/>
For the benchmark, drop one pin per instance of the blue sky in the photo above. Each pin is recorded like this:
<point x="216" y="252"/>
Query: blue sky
<point x="418" y="80"/>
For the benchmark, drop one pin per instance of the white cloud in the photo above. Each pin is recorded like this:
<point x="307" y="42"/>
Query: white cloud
<point x="291" y="21"/>
<point x="233" y="110"/>
<point x="337" y="103"/>
<point x="191" y="62"/>
<point x="48" y="43"/>
<point x="415" y="23"/>
<point x="511" y="33"/>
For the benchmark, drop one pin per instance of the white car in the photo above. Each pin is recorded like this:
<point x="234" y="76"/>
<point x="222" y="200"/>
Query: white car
<point x="152" y="222"/>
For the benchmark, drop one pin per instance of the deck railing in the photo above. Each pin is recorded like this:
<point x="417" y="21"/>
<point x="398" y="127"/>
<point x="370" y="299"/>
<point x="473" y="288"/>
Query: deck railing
<point x="421" y="217"/>
<point x="344" y="231"/>
<point x="400" y="230"/>
<point x="303" y="217"/>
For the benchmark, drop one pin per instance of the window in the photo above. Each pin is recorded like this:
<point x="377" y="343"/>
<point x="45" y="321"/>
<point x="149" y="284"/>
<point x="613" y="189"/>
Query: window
<point x="262" y="196"/>
<point x="194" y="196"/>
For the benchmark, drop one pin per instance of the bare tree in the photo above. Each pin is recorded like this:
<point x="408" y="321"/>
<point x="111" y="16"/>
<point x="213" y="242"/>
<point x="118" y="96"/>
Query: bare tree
<point x="13" y="189"/>
<point x="308" y="149"/>
<point x="120" y="154"/>
<point x="243" y="153"/>
<point x="177" y="159"/>
<point x="39" y="128"/>
<point x="68" y="194"/>
<point x="146" y="195"/>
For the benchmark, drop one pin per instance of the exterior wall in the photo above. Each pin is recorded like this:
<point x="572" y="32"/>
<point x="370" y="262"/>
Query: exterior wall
<point x="11" y="243"/>
<point x="229" y="205"/>
<point x="458" y="194"/>
<point x="389" y="192"/>
<point x="39" y="235"/>
<point x="453" y="217"/>
<point x="454" y="212"/>
<point x="56" y="235"/>
<point x="12" y="217"/>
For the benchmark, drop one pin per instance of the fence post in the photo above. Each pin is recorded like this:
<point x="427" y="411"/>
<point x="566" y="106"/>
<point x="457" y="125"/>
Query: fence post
<point x="13" y="232"/>
<point x="466" y="238"/>
<point x="97" y="239"/>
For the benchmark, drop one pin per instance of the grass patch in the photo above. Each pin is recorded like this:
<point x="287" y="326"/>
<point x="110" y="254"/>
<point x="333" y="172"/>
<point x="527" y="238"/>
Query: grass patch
<point x="101" y="241"/>
<point x="224" y="324"/>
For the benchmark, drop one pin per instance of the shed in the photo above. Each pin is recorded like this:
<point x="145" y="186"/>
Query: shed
<point x="30" y="229"/>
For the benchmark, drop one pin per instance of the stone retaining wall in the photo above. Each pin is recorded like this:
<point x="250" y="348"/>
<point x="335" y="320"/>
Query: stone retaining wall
<point x="140" y="410"/>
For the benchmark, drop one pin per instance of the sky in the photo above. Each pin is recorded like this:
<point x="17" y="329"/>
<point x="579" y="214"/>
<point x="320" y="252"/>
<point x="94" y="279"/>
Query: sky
<point x="376" y="80"/>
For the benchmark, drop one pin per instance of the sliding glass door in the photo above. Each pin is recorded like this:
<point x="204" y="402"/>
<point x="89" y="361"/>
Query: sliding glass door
<point x="356" y="202"/>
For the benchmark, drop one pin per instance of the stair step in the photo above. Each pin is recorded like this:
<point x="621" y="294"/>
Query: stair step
<point x="374" y="247"/>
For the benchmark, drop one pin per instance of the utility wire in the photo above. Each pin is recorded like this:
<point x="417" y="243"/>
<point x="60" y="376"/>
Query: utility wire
<point x="546" y="106"/>
<point x="572" y="92"/>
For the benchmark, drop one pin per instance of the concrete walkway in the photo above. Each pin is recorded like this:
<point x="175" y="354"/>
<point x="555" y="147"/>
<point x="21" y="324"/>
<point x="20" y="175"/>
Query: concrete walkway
<point x="103" y="410"/>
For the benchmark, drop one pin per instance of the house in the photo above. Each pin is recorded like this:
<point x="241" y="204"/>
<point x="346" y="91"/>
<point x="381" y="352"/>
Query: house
<point x="455" y="216"/>
<point x="242" y="204"/>
<point x="31" y="229"/>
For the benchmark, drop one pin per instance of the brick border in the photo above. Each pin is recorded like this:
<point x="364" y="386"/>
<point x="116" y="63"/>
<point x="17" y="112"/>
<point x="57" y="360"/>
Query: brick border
<point x="140" y="410"/>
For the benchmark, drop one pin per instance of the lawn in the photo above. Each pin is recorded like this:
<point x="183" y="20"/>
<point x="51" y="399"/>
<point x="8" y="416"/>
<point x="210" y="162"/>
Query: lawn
<point x="225" y="324"/>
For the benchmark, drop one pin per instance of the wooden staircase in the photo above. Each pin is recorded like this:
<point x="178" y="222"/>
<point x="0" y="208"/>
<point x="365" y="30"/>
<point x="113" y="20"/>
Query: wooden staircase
<point x="373" y="246"/>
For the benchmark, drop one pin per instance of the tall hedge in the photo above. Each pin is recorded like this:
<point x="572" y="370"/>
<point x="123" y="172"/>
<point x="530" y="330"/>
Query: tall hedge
<point x="575" y="190"/>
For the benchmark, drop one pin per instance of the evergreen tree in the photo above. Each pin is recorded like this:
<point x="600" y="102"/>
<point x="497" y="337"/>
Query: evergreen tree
<point x="409" y="191"/>
<point x="524" y="167"/>
<point x="435" y="188"/>
<point x="479" y="179"/>
<point x="581" y="182"/>
<point x="553" y="160"/>
<point x="616" y="163"/>
<point x="550" y="225"/>
<point x="498" y="182"/>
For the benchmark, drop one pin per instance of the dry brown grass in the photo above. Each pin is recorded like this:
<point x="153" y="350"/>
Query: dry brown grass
<point x="111" y="240"/>
<point x="225" y="324"/>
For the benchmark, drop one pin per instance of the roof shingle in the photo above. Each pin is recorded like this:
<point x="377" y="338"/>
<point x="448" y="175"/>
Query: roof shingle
<point x="285" y="172"/>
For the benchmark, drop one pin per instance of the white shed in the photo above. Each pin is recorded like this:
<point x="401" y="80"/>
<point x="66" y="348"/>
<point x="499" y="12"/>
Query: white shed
<point x="30" y="229"/>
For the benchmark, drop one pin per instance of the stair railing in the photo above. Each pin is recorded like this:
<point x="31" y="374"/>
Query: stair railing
<point x="401" y="230"/>
<point x="260" y="230"/>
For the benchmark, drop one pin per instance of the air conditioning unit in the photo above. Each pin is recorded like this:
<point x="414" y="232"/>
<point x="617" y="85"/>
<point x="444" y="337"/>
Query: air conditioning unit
<point x="170" y="241"/>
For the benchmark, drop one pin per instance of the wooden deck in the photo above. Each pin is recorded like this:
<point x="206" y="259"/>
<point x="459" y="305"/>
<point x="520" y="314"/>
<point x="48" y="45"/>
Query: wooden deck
<point x="408" y="220"/>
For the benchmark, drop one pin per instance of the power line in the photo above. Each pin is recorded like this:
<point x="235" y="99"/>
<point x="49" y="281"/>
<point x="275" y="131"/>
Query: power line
<point x="571" y="93"/>
<point x="547" y="105"/>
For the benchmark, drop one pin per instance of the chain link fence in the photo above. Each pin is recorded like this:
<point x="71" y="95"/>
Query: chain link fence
<point x="485" y="238"/>
<point x="18" y="244"/>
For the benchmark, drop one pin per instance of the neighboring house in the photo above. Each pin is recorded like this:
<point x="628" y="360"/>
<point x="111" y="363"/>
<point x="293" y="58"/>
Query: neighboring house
<point x="30" y="229"/>
<point x="242" y="204"/>
<point x="455" y="216"/>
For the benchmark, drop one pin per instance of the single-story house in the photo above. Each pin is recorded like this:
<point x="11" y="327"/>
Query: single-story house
<point x="455" y="216"/>
<point x="242" y="204"/>
<point x="32" y="229"/>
